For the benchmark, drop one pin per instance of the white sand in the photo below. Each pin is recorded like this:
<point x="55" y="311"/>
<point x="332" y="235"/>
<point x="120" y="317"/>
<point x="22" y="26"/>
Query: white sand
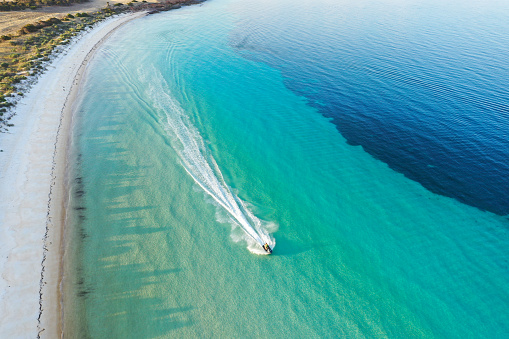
<point x="33" y="195"/>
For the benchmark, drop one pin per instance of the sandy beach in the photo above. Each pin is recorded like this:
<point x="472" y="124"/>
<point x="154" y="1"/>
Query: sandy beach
<point x="33" y="193"/>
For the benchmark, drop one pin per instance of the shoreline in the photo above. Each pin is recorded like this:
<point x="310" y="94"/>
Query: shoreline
<point x="33" y="173"/>
<point x="51" y="313"/>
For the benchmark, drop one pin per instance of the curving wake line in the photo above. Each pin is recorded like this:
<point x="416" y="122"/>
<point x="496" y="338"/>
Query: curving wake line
<point x="200" y="165"/>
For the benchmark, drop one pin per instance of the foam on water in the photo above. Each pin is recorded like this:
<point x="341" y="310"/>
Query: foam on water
<point x="202" y="167"/>
<point x="202" y="134"/>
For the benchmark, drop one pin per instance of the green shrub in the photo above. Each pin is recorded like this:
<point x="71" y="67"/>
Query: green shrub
<point x="41" y="24"/>
<point x="28" y="29"/>
<point x="53" y="21"/>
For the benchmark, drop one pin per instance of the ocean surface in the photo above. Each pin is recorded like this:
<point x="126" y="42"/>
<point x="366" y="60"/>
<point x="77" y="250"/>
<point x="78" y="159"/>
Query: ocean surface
<point x="366" y="141"/>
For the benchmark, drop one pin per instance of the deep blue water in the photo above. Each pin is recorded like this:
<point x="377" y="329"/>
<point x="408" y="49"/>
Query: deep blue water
<point x="420" y="86"/>
<point x="203" y="129"/>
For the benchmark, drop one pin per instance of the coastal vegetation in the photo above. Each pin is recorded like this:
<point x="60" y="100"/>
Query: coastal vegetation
<point x="18" y="5"/>
<point x="25" y="53"/>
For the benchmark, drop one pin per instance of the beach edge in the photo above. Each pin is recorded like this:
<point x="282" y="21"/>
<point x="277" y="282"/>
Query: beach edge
<point x="33" y="176"/>
<point x="51" y="311"/>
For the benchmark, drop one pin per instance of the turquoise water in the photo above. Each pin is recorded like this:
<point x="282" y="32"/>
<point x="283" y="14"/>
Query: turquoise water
<point x="189" y="149"/>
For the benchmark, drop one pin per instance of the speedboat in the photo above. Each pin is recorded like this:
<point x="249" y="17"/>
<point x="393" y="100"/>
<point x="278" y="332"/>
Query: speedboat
<point x="267" y="248"/>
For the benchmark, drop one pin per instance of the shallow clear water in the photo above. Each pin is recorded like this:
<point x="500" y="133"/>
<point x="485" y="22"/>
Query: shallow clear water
<point x="204" y="128"/>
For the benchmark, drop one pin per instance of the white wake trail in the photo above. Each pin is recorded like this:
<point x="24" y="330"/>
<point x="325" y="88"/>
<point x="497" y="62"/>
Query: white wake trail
<point x="200" y="164"/>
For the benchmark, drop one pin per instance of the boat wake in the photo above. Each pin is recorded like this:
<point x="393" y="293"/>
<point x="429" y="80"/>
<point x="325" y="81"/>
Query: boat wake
<point x="202" y="167"/>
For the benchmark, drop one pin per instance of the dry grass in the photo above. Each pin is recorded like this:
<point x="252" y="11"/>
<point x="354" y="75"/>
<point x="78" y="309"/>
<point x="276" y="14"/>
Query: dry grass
<point x="28" y="38"/>
<point x="11" y="22"/>
<point x="25" y="51"/>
